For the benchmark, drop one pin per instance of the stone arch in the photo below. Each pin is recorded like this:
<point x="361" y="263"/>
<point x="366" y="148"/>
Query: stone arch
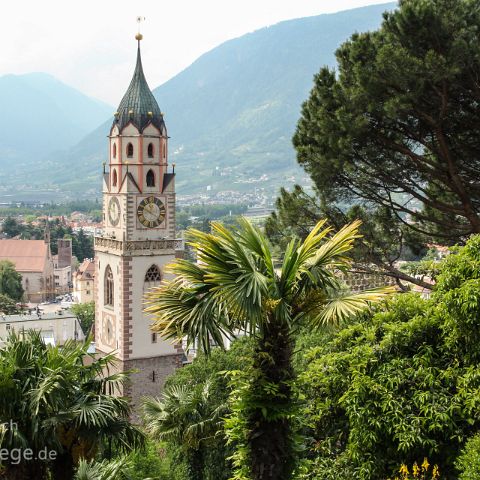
<point x="129" y="150"/>
<point x="153" y="277"/>
<point x="150" y="178"/>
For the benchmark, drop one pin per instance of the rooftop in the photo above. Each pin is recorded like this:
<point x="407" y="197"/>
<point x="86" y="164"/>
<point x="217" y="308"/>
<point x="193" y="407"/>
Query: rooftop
<point x="35" y="317"/>
<point x="27" y="255"/>
<point x="138" y="105"/>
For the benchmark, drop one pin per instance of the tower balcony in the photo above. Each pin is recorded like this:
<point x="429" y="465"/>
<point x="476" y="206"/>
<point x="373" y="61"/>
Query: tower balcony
<point x="106" y="243"/>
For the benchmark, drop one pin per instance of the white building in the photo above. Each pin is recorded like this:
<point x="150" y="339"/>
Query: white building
<point x="55" y="328"/>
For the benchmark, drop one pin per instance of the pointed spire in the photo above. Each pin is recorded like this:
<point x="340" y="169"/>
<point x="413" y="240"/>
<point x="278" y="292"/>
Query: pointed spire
<point x="138" y="105"/>
<point x="46" y="233"/>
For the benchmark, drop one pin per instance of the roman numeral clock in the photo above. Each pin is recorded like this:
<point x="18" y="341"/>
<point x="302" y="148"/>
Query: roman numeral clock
<point x="151" y="212"/>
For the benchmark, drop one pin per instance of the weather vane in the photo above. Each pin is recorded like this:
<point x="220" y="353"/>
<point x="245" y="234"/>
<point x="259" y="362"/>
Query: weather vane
<point x="139" y="36"/>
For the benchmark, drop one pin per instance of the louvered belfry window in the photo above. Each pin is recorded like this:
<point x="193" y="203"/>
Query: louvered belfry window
<point x="150" y="178"/>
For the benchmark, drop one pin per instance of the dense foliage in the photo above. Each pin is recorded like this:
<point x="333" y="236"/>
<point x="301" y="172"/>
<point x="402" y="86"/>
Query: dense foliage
<point x="401" y="385"/>
<point x="85" y="312"/>
<point x="178" y="420"/>
<point x="393" y="131"/>
<point x="384" y="239"/>
<point x="58" y="403"/>
<point x="399" y="121"/>
<point x="10" y="281"/>
<point x="8" y="306"/>
<point x="468" y="463"/>
<point x="238" y="286"/>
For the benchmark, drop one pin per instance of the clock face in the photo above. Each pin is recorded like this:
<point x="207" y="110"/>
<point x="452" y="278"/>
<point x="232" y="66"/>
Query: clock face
<point x="114" y="211"/>
<point x="151" y="212"/>
<point x="108" y="330"/>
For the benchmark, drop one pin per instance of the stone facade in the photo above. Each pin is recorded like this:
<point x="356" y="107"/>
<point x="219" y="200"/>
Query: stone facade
<point x="149" y="375"/>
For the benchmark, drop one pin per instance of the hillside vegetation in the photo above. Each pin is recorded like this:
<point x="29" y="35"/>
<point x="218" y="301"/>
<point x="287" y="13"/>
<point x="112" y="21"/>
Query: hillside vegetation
<point x="234" y="108"/>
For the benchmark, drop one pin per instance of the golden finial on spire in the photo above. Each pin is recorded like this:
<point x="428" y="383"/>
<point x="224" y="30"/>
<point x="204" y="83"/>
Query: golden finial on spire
<point x="139" y="36"/>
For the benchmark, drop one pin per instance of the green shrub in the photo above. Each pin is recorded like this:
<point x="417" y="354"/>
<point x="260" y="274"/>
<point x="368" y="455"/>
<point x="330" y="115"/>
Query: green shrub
<point x="468" y="463"/>
<point x="401" y="385"/>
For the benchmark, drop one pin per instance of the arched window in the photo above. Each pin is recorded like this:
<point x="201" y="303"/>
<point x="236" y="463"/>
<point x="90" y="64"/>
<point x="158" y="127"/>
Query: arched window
<point x="150" y="178"/>
<point x="114" y="181"/>
<point x="129" y="150"/>
<point x="108" y="288"/>
<point x="114" y="150"/>
<point x="152" y="277"/>
<point x="150" y="150"/>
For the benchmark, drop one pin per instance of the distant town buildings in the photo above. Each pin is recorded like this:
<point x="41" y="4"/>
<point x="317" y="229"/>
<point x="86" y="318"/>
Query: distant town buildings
<point x="83" y="282"/>
<point x="33" y="260"/>
<point x="62" y="263"/>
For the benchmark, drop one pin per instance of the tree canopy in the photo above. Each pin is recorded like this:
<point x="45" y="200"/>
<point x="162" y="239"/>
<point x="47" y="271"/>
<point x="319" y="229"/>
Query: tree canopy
<point x="61" y="400"/>
<point x="10" y="280"/>
<point x="85" y="312"/>
<point x="8" y="306"/>
<point x="400" y="385"/>
<point x="397" y="126"/>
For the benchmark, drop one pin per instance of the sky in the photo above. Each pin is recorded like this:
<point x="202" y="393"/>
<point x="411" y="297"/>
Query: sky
<point x="90" y="44"/>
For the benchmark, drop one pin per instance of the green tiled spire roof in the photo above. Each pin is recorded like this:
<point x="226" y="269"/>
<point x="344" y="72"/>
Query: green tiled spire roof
<point x="138" y="105"/>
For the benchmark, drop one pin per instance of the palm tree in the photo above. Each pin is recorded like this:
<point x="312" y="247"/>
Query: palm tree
<point x="237" y="286"/>
<point x="60" y="401"/>
<point x="185" y="417"/>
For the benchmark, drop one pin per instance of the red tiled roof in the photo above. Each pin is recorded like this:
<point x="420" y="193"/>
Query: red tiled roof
<point x="86" y="269"/>
<point x="27" y="255"/>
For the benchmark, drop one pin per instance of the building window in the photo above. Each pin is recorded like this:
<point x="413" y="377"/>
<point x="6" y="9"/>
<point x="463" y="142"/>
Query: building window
<point x="114" y="177"/>
<point x="88" y="292"/>
<point x="150" y="178"/>
<point x="164" y="150"/>
<point x="129" y="150"/>
<point x="154" y="337"/>
<point x="108" y="299"/>
<point x="150" y="150"/>
<point x="153" y="274"/>
<point x="114" y="150"/>
<point x="153" y="376"/>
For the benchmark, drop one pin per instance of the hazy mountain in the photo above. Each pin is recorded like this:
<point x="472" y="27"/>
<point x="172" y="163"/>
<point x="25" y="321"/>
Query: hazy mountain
<point x="234" y="110"/>
<point x="41" y="114"/>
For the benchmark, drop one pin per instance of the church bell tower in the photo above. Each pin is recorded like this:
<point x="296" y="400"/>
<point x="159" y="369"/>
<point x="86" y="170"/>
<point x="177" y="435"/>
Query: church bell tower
<point x="138" y="239"/>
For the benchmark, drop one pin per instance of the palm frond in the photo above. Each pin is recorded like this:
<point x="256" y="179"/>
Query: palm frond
<point x="345" y="305"/>
<point x="105" y="470"/>
<point x="332" y="252"/>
